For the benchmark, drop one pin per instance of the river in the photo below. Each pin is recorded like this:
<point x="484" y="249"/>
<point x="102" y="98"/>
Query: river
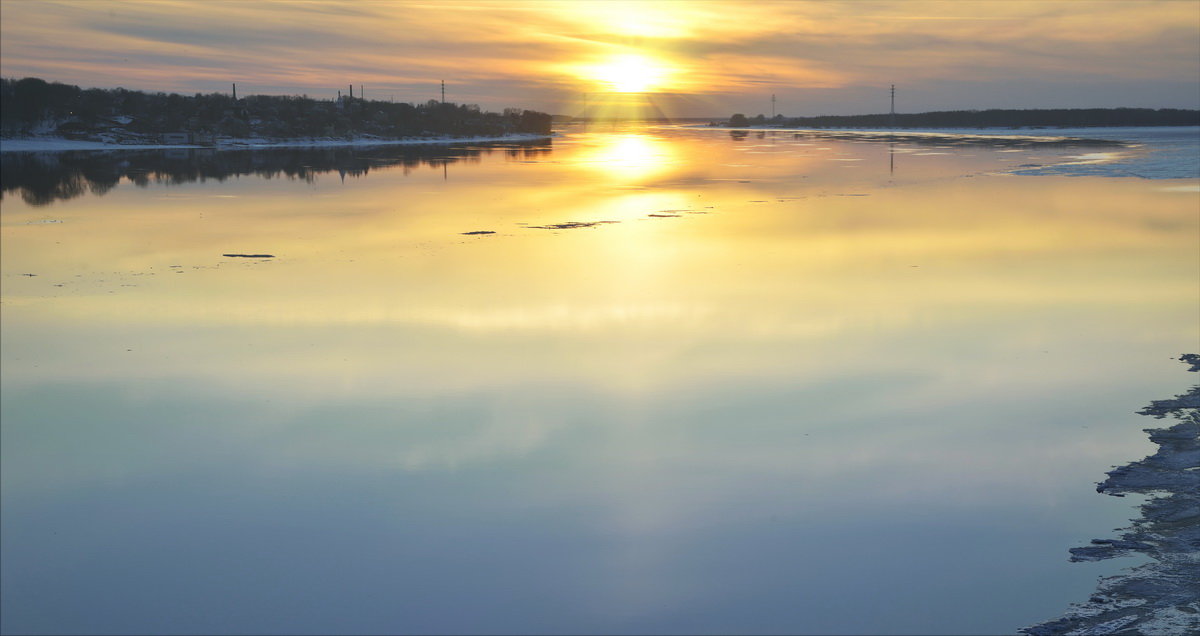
<point x="633" y="379"/>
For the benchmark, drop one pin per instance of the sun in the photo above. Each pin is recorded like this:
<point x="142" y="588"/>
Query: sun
<point x="629" y="74"/>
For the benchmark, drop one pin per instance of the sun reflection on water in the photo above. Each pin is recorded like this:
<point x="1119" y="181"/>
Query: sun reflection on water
<point x="629" y="157"/>
<point x="654" y="340"/>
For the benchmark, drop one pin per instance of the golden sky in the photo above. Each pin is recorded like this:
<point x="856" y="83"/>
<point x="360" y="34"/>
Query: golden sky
<point x="697" y="58"/>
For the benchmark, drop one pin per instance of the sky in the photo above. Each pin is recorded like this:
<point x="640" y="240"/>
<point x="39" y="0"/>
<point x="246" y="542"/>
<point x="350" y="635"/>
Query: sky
<point x="688" y="58"/>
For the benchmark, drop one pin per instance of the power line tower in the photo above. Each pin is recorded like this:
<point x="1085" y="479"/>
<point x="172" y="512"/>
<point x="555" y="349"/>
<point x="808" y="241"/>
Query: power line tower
<point x="892" y="112"/>
<point x="443" y="91"/>
<point x="772" y="105"/>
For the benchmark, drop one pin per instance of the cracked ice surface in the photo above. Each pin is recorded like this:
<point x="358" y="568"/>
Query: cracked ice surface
<point x="1162" y="596"/>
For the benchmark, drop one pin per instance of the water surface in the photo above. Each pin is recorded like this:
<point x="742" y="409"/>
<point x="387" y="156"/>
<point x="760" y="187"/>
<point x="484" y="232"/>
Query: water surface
<point x="691" y="382"/>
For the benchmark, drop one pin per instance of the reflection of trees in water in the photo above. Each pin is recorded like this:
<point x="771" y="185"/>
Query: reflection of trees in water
<point x="42" y="178"/>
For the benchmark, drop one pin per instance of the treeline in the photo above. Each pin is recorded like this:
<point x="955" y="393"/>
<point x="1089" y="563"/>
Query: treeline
<point x="33" y="106"/>
<point x="994" y="118"/>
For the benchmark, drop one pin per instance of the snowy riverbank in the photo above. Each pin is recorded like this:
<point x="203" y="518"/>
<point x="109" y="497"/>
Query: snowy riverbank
<point x="1101" y="134"/>
<point x="1159" y="597"/>
<point x="56" y="144"/>
<point x="1154" y="152"/>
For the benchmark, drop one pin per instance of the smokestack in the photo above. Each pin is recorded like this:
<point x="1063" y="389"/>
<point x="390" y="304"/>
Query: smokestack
<point x="352" y="91"/>
<point x="235" y="92"/>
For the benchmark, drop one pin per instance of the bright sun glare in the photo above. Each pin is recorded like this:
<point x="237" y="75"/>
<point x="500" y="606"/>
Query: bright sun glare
<point x="629" y="74"/>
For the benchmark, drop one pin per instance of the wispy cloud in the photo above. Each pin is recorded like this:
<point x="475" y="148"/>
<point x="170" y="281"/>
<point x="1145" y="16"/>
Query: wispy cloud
<point x="501" y="53"/>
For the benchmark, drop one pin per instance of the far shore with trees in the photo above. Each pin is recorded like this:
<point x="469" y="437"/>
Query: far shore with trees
<point x="33" y="107"/>
<point x="993" y="118"/>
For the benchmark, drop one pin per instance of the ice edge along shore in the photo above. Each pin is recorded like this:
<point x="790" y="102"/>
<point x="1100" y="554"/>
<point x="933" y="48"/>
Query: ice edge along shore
<point x="1162" y="596"/>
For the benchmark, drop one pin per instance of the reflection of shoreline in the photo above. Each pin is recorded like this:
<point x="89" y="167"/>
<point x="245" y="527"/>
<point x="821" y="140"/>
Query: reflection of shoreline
<point x="58" y="144"/>
<point x="44" y="177"/>
<point x="1162" y="596"/>
<point x="931" y="138"/>
<point x="1159" y="153"/>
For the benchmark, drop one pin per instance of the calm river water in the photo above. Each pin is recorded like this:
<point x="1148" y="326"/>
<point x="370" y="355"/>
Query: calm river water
<point x="690" y="382"/>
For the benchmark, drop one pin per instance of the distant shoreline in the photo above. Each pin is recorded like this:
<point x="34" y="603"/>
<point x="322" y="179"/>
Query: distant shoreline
<point x="956" y="130"/>
<point x="995" y="117"/>
<point x="37" y="109"/>
<point x="1088" y="135"/>
<point x="60" y="144"/>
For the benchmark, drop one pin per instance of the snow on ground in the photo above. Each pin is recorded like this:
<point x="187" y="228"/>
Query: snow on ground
<point x="54" y="144"/>
<point x="1119" y="133"/>
<point x="1149" y="152"/>
<point x="1155" y="153"/>
<point x="1163" y="595"/>
<point x="898" y="134"/>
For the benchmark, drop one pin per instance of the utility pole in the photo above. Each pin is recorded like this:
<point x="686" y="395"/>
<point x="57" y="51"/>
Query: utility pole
<point x="892" y="113"/>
